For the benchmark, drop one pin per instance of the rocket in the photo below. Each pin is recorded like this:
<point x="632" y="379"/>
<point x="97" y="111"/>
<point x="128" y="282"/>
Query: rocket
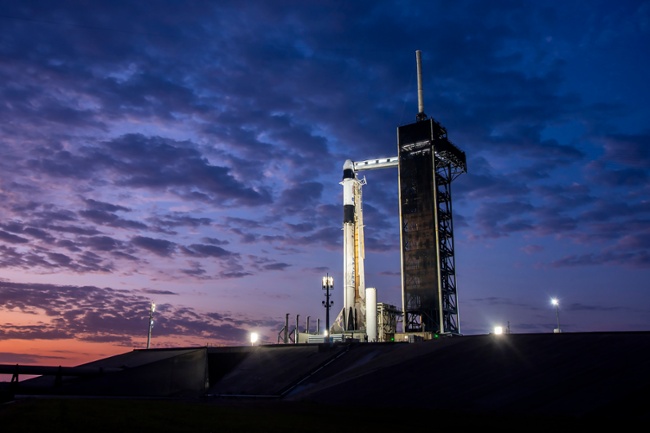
<point x="353" y="313"/>
<point x="358" y="314"/>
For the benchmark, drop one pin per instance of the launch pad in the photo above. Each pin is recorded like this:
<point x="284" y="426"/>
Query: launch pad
<point x="427" y="163"/>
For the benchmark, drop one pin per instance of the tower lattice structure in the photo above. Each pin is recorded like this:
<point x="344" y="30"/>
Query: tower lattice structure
<point x="428" y="162"/>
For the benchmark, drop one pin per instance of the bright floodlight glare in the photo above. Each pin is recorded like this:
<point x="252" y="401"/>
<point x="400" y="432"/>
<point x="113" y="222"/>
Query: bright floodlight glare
<point x="554" y="301"/>
<point x="498" y="330"/>
<point x="254" y="337"/>
<point x="328" y="282"/>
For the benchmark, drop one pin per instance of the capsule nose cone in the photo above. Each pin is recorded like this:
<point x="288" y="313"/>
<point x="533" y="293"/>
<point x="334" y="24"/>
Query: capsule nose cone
<point x="348" y="169"/>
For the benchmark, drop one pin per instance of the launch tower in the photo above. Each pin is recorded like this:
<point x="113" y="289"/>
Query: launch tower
<point x="428" y="162"/>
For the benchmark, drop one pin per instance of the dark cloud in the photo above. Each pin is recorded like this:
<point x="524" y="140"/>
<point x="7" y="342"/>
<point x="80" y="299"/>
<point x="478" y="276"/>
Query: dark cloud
<point x="101" y="243"/>
<point x="158" y="292"/>
<point x="12" y="239"/>
<point x="300" y="198"/>
<point x="635" y="259"/>
<point x="628" y="149"/>
<point x="110" y="219"/>
<point x="106" y="207"/>
<point x="205" y="250"/>
<point x="159" y="247"/>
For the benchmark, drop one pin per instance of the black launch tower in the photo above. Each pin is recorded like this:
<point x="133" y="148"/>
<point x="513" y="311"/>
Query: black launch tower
<point x="428" y="162"/>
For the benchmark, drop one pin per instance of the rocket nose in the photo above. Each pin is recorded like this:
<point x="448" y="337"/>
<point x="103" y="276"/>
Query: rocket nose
<point x="348" y="169"/>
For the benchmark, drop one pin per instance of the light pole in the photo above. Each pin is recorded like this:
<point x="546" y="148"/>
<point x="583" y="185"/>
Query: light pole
<point x="151" y="311"/>
<point x="555" y="302"/>
<point x="328" y="284"/>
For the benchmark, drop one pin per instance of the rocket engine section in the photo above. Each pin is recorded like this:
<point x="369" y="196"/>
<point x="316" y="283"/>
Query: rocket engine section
<point x="352" y="316"/>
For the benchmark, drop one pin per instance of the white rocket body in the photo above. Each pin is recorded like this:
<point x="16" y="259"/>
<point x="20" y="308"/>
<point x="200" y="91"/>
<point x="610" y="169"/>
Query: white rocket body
<point x="353" y="313"/>
<point x="348" y="182"/>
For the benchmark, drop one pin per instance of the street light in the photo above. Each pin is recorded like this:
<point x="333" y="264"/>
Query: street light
<point x="328" y="284"/>
<point x="555" y="302"/>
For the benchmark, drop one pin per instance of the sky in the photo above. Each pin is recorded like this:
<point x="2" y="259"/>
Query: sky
<point x="190" y="153"/>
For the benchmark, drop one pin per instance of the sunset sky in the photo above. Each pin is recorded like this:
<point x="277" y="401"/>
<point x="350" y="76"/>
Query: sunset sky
<point x="190" y="153"/>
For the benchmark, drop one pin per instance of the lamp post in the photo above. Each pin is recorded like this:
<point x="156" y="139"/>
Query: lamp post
<point x="555" y="302"/>
<point x="151" y="311"/>
<point x="328" y="284"/>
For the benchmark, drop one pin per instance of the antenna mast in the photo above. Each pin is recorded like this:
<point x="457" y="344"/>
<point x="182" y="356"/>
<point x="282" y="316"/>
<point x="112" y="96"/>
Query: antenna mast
<point x="421" y="115"/>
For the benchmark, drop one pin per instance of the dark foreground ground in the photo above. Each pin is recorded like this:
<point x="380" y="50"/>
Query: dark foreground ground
<point x="522" y="383"/>
<point x="140" y="415"/>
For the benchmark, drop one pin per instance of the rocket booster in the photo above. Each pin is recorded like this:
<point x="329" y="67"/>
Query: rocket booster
<point x="349" y="179"/>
